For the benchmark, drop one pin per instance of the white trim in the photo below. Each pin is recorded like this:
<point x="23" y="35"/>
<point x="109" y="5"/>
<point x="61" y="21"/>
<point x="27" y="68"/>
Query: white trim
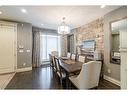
<point x="15" y="65"/>
<point x="8" y="22"/>
<point x="24" y="69"/>
<point x="112" y="80"/>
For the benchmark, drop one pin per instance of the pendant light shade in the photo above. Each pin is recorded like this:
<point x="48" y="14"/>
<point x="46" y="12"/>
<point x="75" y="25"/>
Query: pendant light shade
<point x="63" y="28"/>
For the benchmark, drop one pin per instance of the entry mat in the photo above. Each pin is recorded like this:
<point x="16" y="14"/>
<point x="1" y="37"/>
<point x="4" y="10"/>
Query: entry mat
<point x="5" y="79"/>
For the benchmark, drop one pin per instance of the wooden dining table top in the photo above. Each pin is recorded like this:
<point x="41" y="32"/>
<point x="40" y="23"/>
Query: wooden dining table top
<point x="71" y="66"/>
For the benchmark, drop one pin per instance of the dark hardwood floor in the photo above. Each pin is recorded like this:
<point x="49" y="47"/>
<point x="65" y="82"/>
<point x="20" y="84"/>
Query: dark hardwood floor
<point x="45" y="78"/>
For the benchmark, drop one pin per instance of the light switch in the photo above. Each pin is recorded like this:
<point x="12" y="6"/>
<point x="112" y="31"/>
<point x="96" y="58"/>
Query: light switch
<point x="21" y="50"/>
<point x="28" y="50"/>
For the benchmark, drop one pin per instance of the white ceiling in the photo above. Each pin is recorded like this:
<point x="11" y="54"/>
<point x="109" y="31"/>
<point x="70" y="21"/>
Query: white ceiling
<point x="51" y="16"/>
<point x="118" y="25"/>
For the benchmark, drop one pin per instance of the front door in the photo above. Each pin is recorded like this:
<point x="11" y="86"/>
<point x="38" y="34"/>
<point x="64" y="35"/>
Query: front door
<point x="7" y="48"/>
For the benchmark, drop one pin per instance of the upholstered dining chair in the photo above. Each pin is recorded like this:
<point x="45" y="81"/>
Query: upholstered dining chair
<point x="68" y="55"/>
<point x="54" y="63"/>
<point x="81" y="58"/>
<point x="60" y="72"/>
<point x="89" y="75"/>
<point x="73" y="56"/>
<point x="55" y="53"/>
<point x="51" y="60"/>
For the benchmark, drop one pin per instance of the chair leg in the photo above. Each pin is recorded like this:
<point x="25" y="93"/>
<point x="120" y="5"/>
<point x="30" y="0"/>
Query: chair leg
<point x="61" y="82"/>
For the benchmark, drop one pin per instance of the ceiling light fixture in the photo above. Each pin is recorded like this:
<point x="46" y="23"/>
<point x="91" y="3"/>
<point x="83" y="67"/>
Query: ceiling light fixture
<point x="63" y="28"/>
<point x="42" y="24"/>
<point x="0" y="12"/>
<point x="24" y="10"/>
<point x="103" y="6"/>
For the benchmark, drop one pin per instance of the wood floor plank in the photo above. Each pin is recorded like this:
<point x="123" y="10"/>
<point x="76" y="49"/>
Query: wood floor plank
<point x="45" y="78"/>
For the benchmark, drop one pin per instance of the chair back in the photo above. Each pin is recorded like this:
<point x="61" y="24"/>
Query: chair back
<point x="55" y="53"/>
<point x="69" y="55"/>
<point x="57" y="60"/>
<point x="81" y="58"/>
<point x="73" y="56"/>
<point x="89" y="75"/>
<point x="54" y="63"/>
<point x="57" y="63"/>
<point x="50" y="59"/>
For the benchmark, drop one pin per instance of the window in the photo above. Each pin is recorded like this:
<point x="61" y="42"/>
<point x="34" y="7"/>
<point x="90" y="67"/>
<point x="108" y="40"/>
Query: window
<point x="48" y="44"/>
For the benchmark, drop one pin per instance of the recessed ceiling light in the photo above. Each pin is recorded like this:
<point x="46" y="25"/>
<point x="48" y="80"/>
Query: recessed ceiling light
<point x="103" y="6"/>
<point x="42" y="24"/>
<point x="24" y="10"/>
<point x="0" y="12"/>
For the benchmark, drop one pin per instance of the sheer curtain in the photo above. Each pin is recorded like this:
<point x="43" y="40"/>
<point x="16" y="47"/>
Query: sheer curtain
<point x="36" y="49"/>
<point x="44" y="41"/>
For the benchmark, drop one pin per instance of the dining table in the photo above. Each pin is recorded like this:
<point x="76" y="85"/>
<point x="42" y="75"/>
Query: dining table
<point x="70" y="67"/>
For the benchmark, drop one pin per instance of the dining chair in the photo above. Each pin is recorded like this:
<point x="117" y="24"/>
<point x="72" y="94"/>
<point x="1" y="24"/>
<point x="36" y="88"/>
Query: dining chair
<point x="55" y="53"/>
<point x="73" y="56"/>
<point x="89" y="75"/>
<point x="81" y="58"/>
<point x="60" y="72"/>
<point x="68" y="55"/>
<point x="54" y="64"/>
<point x="51" y="60"/>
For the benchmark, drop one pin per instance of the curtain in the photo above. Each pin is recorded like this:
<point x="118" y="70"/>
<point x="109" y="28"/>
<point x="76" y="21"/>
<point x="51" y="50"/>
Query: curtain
<point x="38" y="44"/>
<point x="36" y="49"/>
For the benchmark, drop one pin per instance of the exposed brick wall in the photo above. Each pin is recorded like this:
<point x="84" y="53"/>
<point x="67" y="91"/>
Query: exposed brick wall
<point x="64" y="45"/>
<point x="92" y="31"/>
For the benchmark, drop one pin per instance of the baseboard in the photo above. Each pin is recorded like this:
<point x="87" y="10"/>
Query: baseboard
<point x="112" y="80"/>
<point x="6" y="70"/>
<point x="24" y="69"/>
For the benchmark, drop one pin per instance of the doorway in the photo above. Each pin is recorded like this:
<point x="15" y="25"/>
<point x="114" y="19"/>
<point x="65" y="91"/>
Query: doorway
<point x="71" y="43"/>
<point x="49" y="43"/>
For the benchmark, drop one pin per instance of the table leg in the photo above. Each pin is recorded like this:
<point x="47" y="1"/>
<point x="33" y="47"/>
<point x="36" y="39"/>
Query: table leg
<point x="67" y="80"/>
